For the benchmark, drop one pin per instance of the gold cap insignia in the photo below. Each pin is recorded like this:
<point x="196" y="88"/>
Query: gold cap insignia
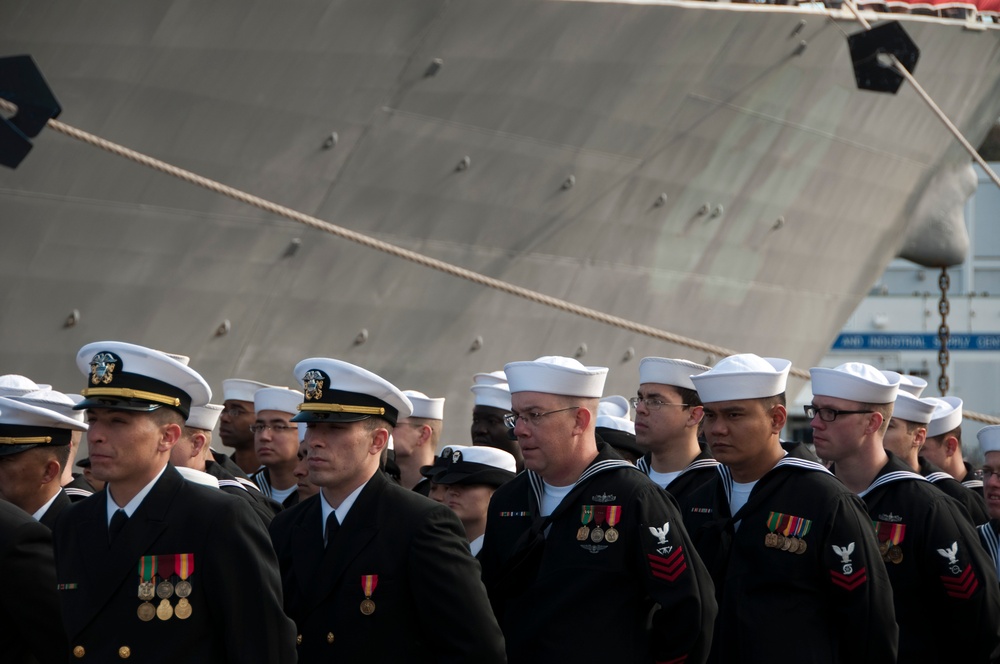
<point x="313" y="384"/>
<point x="101" y="368"/>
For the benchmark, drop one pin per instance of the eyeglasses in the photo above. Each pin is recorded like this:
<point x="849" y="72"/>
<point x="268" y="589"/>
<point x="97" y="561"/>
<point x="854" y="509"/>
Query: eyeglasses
<point x="653" y="404"/>
<point x="989" y="472"/>
<point x="531" y="418"/>
<point x="234" y="411"/>
<point x="830" y="414"/>
<point x="276" y="428"/>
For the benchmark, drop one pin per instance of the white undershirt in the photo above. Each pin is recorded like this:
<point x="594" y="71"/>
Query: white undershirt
<point x="476" y="545"/>
<point x="552" y="496"/>
<point x="741" y="494"/>
<point x="281" y="494"/>
<point x="663" y="479"/>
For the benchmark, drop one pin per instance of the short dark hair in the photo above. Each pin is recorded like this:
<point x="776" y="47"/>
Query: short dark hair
<point x="688" y="396"/>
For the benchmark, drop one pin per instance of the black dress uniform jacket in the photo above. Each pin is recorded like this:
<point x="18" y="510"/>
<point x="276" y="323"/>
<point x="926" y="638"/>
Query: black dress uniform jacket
<point x="430" y="605"/>
<point x="989" y="535"/>
<point x="30" y="626"/>
<point x="973" y="504"/>
<point x="831" y="602"/>
<point x="945" y="586"/>
<point x="236" y="593"/>
<point x="563" y="599"/>
<point x="698" y="472"/>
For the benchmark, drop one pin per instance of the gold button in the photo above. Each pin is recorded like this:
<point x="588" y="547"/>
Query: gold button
<point x="298" y="640"/>
<point x="79" y="652"/>
<point x="124" y="652"/>
<point x="329" y="637"/>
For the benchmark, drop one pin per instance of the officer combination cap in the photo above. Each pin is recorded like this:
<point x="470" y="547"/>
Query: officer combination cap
<point x="241" y="389"/>
<point x="64" y="404"/>
<point x="204" y="417"/>
<point x="912" y="409"/>
<point x="989" y="438"/>
<point x="743" y="376"/>
<point x="14" y="385"/>
<point x="615" y="405"/>
<point x="496" y="395"/>
<point x="24" y="426"/>
<point x="280" y="399"/>
<point x="477" y="465"/>
<point x="428" y="408"/>
<point x="855" y="381"/>
<point x="338" y="391"/>
<point x="666" y="371"/>
<point x="125" y="376"/>
<point x="557" y="375"/>
<point x="442" y="460"/>
<point x="947" y="415"/>
<point x="913" y="384"/>
<point x="491" y="378"/>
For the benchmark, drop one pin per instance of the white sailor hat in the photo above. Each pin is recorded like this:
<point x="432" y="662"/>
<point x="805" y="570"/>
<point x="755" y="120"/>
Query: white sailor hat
<point x="24" y="426"/>
<point x="125" y="376"/>
<point x="476" y="465"/>
<point x="241" y="389"/>
<point x="337" y="391"/>
<point x="494" y="396"/>
<point x="556" y="375"/>
<point x="491" y="378"/>
<point x="912" y="409"/>
<point x="913" y="384"/>
<point x="855" y="381"/>
<point x="204" y="417"/>
<point x="605" y="421"/>
<point x="666" y="371"/>
<point x="743" y="376"/>
<point x="989" y="438"/>
<point x="57" y="401"/>
<point x="614" y="406"/>
<point x="281" y="399"/>
<point x="429" y="408"/>
<point x="947" y="415"/>
<point x="14" y="385"/>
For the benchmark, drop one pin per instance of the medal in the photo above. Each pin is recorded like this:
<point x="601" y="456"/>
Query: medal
<point x="895" y="555"/>
<point x="770" y="540"/>
<point x="183" y="567"/>
<point x="146" y="612"/>
<point x="890" y="535"/>
<point x="183" y="610"/>
<point x="586" y="515"/>
<point x="614" y="516"/>
<point x="773" y="540"/>
<point x="165" y="567"/>
<point x="368" y="584"/>
<point x="597" y="534"/>
<point x="164" y="611"/>
<point x="786" y="544"/>
<point x="146" y="566"/>
<point x="883" y="548"/>
<point x="802" y="546"/>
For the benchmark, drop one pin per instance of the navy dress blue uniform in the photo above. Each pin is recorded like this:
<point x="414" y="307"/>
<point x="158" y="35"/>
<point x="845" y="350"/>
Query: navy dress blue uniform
<point x="30" y="626"/>
<point x="50" y="516"/>
<point x="430" y="605"/>
<point x="646" y="596"/>
<point x="973" y="504"/>
<point x="236" y="593"/>
<point x="701" y="470"/>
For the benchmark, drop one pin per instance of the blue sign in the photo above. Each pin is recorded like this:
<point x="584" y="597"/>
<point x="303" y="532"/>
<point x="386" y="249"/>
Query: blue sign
<point x="916" y="342"/>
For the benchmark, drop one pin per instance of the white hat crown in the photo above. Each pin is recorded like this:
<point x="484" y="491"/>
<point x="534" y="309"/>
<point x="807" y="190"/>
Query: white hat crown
<point x="553" y="374"/>
<point x="743" y="376"/>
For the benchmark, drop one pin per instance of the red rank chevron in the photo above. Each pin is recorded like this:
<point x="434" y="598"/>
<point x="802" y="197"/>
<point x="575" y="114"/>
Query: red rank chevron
<point x="963" y="586"/>
<point x="849" y="582"/>
<point x="668" y="568"/>
<point x="676" y="660"/>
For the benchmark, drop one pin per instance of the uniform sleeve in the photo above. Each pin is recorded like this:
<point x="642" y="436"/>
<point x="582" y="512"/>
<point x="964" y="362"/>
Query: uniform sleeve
<point x="30" y="605"/>
<point x="675" y="578"/>
<point x="858" y="586"/>
<point x="241" y="557"/>
<point x="961" y="575"/>
<point x="446" y="585"/>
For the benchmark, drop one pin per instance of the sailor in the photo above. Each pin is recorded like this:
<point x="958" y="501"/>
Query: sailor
<point x="989" y="533"/>
<point x="582" y="534"/>
<point x="93" y="483"/>
<point x="30" y="625"/>
<point x="913" y="385"/>
<point x="15" y="385"/>
<point x="470" y="478"/>
<point x="193" y="451"/>
<point x="372" y="571"/>
<point x="943" y="583"/>
<point x="154" y="567"/>
<point x="906" y="436"/>
<point x="616" y="428"/>
<point x="437" y="492"/>
<point x="416" y="438"/>
<point x="668" y="414"/>
<point x="237" y="417"/>
<point x="944" y="443"/>
<point x="34" y="447"/>
<point x="790" y="549"/>
<point x="276" y="443"/>
<point x="492" y="404"/>
<point x="303" y="486"/>
<point x="74" y="485"/>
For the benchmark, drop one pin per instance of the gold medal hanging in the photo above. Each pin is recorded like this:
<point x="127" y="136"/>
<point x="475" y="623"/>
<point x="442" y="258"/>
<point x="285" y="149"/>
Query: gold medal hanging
<point x="164" y="611"/>
<point x="183" y="567"/>
<point x="145" y="612"/>
<point x="368" y="584"/>
<point x="614" y="516"/>
<point x="586" y="515"/>
<point x="597" y="534"/>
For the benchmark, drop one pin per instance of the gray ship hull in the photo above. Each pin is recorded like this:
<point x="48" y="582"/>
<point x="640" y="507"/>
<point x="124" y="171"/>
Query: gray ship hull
<point x="787" y="189"/>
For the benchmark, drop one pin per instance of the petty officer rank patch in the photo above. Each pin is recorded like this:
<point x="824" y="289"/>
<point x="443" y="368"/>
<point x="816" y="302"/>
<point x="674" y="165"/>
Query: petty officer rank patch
<point x="669" y="562"/>
<point x="963" y="582"/>
<point x="847" y="578"/>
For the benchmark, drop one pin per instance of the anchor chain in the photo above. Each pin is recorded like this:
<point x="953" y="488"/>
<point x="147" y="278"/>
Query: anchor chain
<point x="944" y="334"/>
